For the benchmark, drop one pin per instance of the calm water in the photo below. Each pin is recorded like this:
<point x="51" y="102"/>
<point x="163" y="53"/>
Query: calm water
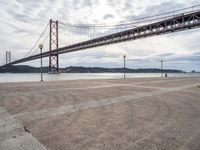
<point x="20" y="77"/>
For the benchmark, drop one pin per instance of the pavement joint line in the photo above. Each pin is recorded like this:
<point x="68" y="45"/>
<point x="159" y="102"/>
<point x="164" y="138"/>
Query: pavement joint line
<point x="85" y="88"/>
<point x="197" y="92"/>
<point x="156" y="81"/>
<point x="13" y="139"/>
<point x="141" y="86"/>
<point x="51" y="112"/>
<point x="107" y="85"/>
<point x="65" y="89"/>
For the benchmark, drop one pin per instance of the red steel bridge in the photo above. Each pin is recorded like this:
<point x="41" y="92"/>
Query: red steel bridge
<point x="152" y="26"/>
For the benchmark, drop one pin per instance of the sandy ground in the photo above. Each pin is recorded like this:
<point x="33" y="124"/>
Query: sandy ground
<point x="139" y="114"/>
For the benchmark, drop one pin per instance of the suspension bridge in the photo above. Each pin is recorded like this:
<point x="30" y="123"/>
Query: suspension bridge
<point x="84" y="36"/>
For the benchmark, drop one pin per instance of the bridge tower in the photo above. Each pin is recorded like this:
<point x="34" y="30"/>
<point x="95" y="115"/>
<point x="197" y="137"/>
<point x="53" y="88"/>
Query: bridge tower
<point x="53" y="44"/>
<point x="8" y="57"/>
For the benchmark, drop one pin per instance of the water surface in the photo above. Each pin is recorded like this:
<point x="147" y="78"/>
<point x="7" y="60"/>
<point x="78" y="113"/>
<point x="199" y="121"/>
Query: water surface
<point x="21" y="77"/>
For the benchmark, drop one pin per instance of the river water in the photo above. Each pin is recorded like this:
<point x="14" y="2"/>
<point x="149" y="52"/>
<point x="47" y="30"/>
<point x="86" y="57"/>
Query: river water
<point x="22" y="77"/>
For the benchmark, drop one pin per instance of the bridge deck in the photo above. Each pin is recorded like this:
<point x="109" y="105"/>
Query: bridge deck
<point x="141" y="114"/>
<point x="181" y="22"/>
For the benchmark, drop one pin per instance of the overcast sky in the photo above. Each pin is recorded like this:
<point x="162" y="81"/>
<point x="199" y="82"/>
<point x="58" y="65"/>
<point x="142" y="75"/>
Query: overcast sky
<point x="22" y="22"/>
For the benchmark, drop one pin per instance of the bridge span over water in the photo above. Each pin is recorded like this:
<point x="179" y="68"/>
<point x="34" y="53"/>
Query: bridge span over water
<point x="182" y="21"/>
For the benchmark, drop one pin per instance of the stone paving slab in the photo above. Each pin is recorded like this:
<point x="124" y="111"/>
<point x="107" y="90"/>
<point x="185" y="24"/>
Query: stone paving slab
<point x="12" y="135"/>
<point x="141" y="114"/>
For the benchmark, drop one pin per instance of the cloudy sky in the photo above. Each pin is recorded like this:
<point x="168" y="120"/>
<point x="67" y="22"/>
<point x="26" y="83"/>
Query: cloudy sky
<point x="22" y="22"/>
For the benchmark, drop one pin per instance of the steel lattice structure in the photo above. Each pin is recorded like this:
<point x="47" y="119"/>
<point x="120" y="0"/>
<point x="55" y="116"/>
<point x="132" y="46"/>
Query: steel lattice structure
<point x="53" y="44"/>
<point x="181" y="22"/>
<point x="8" y="57"/>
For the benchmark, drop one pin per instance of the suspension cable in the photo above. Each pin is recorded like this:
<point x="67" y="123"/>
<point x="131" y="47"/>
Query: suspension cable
<point x="41" y="43"/>
<point x="136" y="20"/>
<point x="37" y="40"/>
<point x="12" y="56"/>
<point x="4" y="59"/>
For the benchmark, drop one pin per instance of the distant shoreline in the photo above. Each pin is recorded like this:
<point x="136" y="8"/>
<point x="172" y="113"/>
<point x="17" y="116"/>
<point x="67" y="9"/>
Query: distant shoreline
<point x="75" y="69"/>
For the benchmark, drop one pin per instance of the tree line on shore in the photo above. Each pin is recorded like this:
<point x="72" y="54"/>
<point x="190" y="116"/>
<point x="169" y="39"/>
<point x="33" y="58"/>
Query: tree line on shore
<point x="75" y="69"/>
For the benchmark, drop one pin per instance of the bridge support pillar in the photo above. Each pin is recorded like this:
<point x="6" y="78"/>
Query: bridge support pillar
<point x="53" y="44"/>
<point x="8" y="57"/>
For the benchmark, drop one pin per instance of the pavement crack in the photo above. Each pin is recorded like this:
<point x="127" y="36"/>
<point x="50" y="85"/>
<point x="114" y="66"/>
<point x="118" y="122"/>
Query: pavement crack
<point x="26" y="130"/>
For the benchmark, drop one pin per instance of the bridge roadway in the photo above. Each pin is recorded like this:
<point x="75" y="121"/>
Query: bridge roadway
<point x="139" y="114"/>
<point x="184" y="21"/>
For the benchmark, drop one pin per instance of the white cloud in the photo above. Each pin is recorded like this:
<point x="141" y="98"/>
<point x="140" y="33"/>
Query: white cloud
<point x="23" y="21"/>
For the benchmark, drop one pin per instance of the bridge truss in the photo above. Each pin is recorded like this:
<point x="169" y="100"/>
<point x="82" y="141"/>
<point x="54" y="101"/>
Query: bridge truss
<point x="180" y="22"/>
